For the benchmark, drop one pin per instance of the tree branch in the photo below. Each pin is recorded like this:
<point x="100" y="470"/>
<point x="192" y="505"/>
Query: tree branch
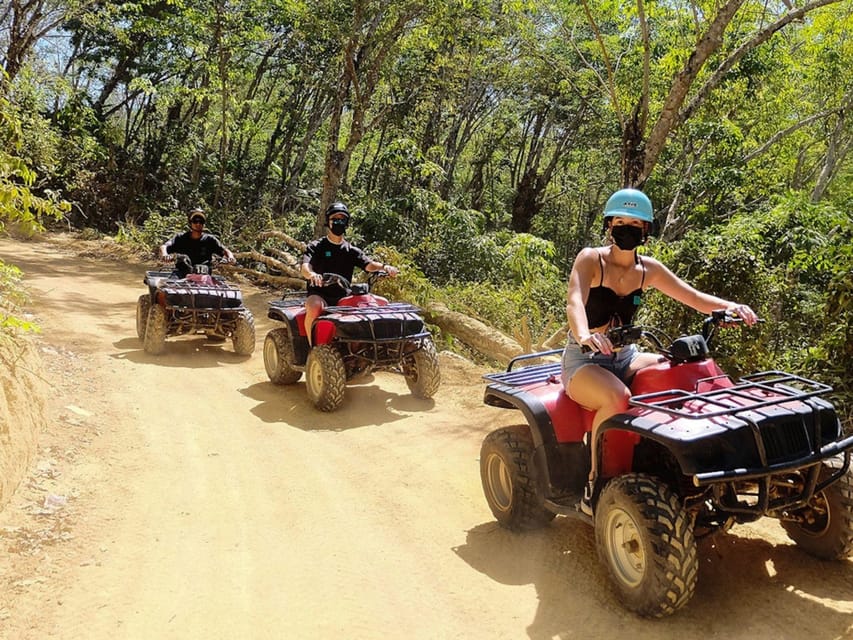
<point x="760" y="37"/>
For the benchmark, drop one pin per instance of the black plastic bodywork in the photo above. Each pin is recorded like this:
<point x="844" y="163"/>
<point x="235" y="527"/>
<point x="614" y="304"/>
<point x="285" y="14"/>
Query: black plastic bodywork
<point x="369" y="337"/>
<point x="747" y="448"/>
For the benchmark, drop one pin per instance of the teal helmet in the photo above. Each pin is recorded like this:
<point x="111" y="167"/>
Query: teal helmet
<point x="630" y="203"/>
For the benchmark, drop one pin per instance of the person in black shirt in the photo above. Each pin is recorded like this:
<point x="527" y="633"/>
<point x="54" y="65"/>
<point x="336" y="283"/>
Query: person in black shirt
<point x="333" y="254"/>
<point x="199" y="246"/>
<point x="605" y="289"/>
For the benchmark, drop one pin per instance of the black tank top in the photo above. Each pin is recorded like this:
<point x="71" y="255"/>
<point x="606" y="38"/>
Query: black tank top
<point x="603" y="306"/>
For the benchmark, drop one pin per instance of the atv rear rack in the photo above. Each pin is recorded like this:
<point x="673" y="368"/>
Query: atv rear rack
<point x="749" y="393"/>
<point x="289" y="300"/>
<point x="532" y="374"/>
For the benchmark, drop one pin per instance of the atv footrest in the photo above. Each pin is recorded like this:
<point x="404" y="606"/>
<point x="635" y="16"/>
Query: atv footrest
<point x="567" y="504"/>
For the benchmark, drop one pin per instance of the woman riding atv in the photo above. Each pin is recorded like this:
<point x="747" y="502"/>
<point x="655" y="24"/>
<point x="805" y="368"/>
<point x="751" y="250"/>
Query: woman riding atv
<point x="606" y="286"/>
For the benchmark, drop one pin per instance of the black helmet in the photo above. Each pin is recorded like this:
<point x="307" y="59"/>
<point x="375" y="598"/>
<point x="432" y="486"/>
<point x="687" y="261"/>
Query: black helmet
<point x="336" y="207"/>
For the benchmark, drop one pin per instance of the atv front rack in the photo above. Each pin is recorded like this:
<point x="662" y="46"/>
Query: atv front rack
<point x="749" y="393"/>
<point x="180" y="292"/>
<point x="393" y="322"/>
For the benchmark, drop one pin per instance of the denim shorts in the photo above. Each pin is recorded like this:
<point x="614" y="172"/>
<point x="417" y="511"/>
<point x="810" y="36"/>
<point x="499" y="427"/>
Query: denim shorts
<point x="616" y="363"/>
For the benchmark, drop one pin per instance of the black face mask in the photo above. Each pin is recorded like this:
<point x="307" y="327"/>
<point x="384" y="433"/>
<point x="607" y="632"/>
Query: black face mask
<point x="338" y="227"/>
<point x="627" y="237"/>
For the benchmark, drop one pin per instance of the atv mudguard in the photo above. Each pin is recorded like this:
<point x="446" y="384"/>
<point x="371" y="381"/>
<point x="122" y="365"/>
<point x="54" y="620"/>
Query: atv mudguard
<point x="557" y="424"/>
<point x="616" y="443"/>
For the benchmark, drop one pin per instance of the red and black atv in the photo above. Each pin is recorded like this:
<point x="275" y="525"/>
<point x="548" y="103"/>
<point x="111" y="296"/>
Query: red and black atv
<point x="696" y="452"/>
<point x="194" y="301"/>
<point x="361" y="334"/>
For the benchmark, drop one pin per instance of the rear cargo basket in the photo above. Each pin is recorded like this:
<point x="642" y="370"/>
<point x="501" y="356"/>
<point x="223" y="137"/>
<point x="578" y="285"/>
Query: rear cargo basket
<point x="546" y="370"/>
<point x="290" y="300"/>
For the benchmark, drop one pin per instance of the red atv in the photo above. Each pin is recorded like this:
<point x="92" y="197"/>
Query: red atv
<point x="696" y="452"/>
<point x="194" y="302"/>
<point x="362" y="333"/>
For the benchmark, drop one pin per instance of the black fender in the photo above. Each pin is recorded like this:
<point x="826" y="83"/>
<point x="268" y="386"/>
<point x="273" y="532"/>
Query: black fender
<point x="548" y="456"/>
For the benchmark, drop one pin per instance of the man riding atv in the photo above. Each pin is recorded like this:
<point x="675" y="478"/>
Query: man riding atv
<point x="333" y="254"/>
<point x="199" y="247"/>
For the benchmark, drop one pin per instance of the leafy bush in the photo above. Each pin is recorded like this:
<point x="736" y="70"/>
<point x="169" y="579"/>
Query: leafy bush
<point x="12" y="298"/>
<point x="793" y="263"/>
<point x="21" y="205"/>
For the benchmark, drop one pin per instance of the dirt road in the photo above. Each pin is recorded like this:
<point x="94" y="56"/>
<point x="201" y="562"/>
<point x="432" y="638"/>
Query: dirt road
<point x="185" y="496"/>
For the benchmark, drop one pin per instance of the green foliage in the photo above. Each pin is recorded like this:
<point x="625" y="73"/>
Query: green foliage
<point x="793" y="263"/>
<point x="830" y="357"/>
<point x="12" y="298"/>
<point x="153" y="232"/>
<point x="20" y="204"/>
<point x="475" y="116"/>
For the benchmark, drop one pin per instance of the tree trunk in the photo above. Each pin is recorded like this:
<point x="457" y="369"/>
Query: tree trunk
<point x="836" y="149"/>
<point x="526" y="204"/>
<point x="479" y="336"/>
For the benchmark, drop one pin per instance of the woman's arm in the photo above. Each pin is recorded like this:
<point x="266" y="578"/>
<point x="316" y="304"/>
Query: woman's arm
<point x="583" y="271"/>
<point x="665" y="281"/>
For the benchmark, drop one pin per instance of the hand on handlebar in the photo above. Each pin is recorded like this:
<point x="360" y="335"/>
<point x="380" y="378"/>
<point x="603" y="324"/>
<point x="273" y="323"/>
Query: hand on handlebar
<point x="745" y="313"/>
<point x="599" y="343"/>
<point x="316" y="280"/>
<point x="735" y="314"/>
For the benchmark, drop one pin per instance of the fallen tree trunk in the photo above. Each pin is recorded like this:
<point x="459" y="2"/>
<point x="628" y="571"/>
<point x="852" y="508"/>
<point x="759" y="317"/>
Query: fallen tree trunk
<point x="477" y="335"/>
<point x="557" y="339"/>
<point x="270" y="262"/>
<point x="258" y="277"/>
<point x="288" y="240"/>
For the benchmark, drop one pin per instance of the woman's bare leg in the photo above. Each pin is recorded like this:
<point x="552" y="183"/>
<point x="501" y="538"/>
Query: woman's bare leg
<point x="602" y="392"/>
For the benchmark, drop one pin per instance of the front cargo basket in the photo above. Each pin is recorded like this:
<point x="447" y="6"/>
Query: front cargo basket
<point x="749" y="393"/>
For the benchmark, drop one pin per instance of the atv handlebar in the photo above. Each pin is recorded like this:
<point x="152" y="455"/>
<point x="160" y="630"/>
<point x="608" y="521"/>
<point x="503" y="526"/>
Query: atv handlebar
<point x="663" y="344"/>
<point x="175" y="257"/>
<point x="330" y="279"/>
<point x="335" y="279"/>
<point x="628" y="334"/>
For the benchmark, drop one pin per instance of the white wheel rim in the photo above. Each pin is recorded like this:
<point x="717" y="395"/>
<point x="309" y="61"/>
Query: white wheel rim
<point x="314" y="377"/>
<point x="500" y="482"/>
<point x="625" y="547"/>
<point x="270" y="356"/>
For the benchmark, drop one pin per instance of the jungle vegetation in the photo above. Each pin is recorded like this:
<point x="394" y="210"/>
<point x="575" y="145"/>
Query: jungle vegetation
<point x="475" y="140"/>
